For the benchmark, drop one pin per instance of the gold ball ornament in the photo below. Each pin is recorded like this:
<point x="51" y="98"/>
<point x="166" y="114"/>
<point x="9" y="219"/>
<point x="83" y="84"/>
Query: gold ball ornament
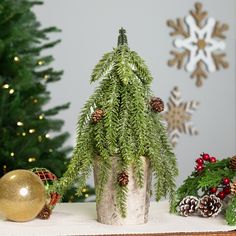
<point x="22" y="195"/>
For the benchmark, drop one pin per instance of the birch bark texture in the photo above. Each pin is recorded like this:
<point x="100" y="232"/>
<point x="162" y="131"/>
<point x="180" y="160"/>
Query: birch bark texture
<point x="138" y="199"/>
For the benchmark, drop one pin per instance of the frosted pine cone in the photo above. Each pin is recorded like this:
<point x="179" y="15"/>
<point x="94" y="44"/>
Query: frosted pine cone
<point x="97" y="115"/>
<point x="188" y="206"/>
<point x="232" y="163"/>
<point x="210" y="206"/>
<point x="123" y="178"/>
<point x="45" y="213"/>
<point x="157" y="104"/>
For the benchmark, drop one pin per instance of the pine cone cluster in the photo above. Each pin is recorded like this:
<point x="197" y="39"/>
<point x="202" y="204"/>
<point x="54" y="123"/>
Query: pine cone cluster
<point x="157" y="104"/>
<point x="123" y="178"/>
<point x="45" y="213"/>
<point x="97" y="115"/>
<point x="210" y="205"/>
<point x="232" y="163"/>
<point x="233" y="187"/>
<point x="188" y="206"/>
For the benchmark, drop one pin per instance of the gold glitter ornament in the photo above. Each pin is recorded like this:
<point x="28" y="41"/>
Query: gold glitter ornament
<point x="22" y="195"/>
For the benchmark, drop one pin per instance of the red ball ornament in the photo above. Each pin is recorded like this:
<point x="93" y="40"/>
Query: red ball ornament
<point x="226" y="181"/>
<point x="213" y="190"/>
<point x="48" y="178"/>
<point x="212" y="159"/>
<point x="226" y="190"/>
<point x="221" y="195"/>
<point x="199" y="161"/>
<point x="205" y="156"/>
<point x="199" y="168"/>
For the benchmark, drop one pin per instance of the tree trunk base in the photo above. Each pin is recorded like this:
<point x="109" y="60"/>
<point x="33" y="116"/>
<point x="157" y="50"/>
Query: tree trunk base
<point x="138" y="199"/>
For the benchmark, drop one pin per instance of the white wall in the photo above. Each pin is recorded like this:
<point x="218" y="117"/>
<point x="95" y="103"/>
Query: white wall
<point x="90" y="28"/>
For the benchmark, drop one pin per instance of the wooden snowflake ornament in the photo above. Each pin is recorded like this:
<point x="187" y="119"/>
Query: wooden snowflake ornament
<point x="178" y="116"/>
<point x="200" y="45"/>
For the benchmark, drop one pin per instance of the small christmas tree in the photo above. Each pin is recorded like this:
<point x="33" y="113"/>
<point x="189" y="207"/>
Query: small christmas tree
<point x="121" y="119"/>
<point x="24" y="75"/>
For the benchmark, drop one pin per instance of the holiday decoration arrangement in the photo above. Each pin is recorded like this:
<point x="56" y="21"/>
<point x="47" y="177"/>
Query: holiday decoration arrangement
<point x="201" y="44"/>
<point x="209" y="190"/>
<point x="121" y="137"/>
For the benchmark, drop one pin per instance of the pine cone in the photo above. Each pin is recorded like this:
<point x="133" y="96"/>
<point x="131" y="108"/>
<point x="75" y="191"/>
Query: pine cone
<point x="45" y="213"/>
<point x="210" y="206"/>
<point x="232" y="163"/>
<point x="188" y="206"/>
<point x="233" y="187"/>
<point x="97" y="115"/>
<point x="123" y="179"/>
<point x="157" y="104"/>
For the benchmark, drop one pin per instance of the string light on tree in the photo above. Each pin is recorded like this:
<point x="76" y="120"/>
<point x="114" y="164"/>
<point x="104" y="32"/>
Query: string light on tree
<point x="6" y="86"/>
<point x="31" y="131"/>
<point x="31" y="159"/>
<point x="11" y="91"/>
<point x="41" y="117"/>
<point x="16" y="59"/>
<point x="19" y="123"/>
<point x="12" y="154"/>
<point x="40" y="63"/>
<point x="46" y="77"/>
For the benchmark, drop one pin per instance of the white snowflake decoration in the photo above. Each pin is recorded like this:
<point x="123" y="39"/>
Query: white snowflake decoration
<point x="199" y="44"/>
<point x="178" y="116"/>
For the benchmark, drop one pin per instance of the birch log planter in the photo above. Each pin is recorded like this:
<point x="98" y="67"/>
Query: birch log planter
<point x="138" y="199"/>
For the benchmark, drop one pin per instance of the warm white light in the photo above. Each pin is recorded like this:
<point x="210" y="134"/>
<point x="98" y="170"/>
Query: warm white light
<point x="41" y="117"/>
<point x="12" y="154"/>
<point x="19" y="123"/>
<point x="23" y="134"/>
<point x="11" y="91"/>
<point x="6" y="86"/>
<point x="31" y="159"/>
<point x="31" y="131"/>
<point x="47" y="135"/>
<point x="16" y="59"/>
<point x="46" y="77"/>
<point x="40" y="63"/>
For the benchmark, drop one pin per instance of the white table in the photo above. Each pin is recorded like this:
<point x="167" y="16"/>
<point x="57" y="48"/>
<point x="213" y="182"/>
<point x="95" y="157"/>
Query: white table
<point x="80" y="219"/>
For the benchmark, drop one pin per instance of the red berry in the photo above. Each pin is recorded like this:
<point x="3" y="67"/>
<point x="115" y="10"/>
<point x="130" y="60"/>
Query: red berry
<point x="226" y="181"/>
<point x="213" y="190"/>
<point x="212" y="159"/>
<point x="221" y="195"/>
<point x="199" y="161"/>
<point x="205" y="156"/>
<point x="226" y="190"/>
<point x="199" y="168"/>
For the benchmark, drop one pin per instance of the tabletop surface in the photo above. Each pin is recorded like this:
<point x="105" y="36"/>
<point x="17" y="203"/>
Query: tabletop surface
<point x="80" y="219"/>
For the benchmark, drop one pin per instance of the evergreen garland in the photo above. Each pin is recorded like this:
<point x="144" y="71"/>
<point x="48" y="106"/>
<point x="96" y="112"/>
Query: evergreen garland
<point x="128" y="130"/>
<point x="200" y="183"/>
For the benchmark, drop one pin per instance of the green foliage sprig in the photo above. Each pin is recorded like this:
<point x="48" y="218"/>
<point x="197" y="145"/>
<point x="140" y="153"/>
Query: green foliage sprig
<point x="199" y="183"/>
<point x="128" y="130"/>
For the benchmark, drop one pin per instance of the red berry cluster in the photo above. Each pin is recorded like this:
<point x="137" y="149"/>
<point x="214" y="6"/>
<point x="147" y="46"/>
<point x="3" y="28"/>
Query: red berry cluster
<point x="223" y="190"/>
<point x="201" y="161"/>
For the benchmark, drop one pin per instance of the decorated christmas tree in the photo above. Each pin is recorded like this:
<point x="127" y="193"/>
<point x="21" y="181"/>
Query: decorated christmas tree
<point x="25" y="126"/>
<point x="121" y="121"/>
